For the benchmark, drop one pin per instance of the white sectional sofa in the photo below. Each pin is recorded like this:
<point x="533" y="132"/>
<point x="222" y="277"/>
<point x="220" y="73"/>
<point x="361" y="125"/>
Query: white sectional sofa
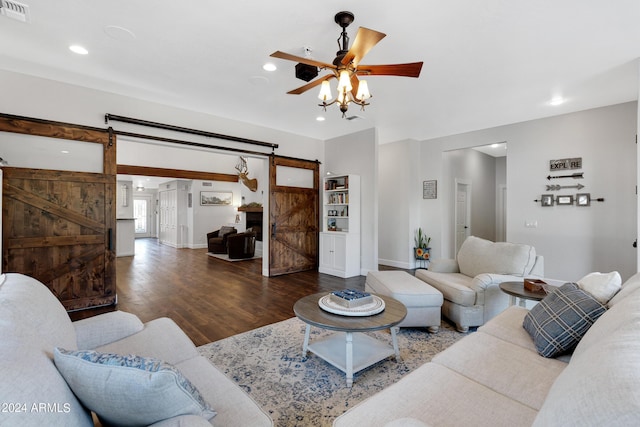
<point x="470" y="282"/>
<point x="495" y="377"/>
<point x="33" y="392"/>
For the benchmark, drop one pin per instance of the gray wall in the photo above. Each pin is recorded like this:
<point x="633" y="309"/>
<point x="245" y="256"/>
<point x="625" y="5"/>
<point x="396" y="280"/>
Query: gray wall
<point x="573" y="240"/>
<point x="357" y="154"/>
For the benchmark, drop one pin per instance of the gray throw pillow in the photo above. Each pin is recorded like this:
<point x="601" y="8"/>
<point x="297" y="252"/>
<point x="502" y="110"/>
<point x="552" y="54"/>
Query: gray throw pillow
<point x="560" y="320"/>
<point x="129" y="390"/>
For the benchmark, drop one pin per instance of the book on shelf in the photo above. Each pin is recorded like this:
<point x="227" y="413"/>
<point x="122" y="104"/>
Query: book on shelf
<point x="351" y="298"/>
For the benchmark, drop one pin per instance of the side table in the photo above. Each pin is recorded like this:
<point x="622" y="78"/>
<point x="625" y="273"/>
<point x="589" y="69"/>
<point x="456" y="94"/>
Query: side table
<point x="517" y="290"/>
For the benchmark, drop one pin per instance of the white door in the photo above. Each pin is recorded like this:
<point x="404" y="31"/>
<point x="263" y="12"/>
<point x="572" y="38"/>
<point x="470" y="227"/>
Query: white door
<point x="462" y="212"/>
<point x="143" y="215"/>
<point x="168" y="217"/>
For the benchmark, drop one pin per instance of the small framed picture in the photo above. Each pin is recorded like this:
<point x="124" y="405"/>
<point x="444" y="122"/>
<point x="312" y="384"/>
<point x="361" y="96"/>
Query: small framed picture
<point x="565" y="200"/>
<point x="583" y="199"/>
<point x="546" y="200"/>
<point x="216" y="198"/>
<point x="430" y="189"/>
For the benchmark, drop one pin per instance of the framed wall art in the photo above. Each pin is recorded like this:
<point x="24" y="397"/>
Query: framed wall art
<point x="583" y="199"/>
<point x="430" y="189"/>
<point x="546" y="200"/>
<point x="216" y="198"/>
<point x="564" y="200"/>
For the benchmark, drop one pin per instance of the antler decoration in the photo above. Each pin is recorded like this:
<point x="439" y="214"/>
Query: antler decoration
<point x="243" y="171"/>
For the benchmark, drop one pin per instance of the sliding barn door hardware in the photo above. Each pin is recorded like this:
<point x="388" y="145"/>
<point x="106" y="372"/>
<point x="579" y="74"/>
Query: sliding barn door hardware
<point x="174" y="128"/>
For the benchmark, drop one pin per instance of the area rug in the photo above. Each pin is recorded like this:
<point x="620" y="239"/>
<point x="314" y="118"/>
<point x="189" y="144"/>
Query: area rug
<point x="299" y="390"/>
<point x="225" y="257"/>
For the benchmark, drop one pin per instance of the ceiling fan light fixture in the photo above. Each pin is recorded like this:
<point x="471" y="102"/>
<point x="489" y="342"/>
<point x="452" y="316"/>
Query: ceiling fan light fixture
<point x="363" y="91"/>
<point x="344" y="81"/>
<point x="346" y="67"/>
<point x="325" y="91"/>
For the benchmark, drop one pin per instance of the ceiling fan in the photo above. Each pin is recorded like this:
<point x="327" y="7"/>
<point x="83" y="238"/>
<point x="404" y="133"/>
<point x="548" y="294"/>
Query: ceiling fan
<point x="346" y="67"/>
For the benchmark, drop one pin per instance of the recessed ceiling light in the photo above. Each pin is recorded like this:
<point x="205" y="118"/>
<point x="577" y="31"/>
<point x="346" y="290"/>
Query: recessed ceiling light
<point x="65" y="151"/>
<point x="269" y="67"/>
<point x="557" y="100"/>
<point x="119" y="33"/>
<point x="320" y="119"/>
<point x="78" y="49"/>
<point x="495" y="145"/>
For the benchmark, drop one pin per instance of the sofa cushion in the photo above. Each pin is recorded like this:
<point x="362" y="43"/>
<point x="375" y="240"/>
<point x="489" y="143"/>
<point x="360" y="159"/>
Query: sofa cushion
<point x="455" y="287"/>
<point x="129" y="390"/>
<point x="502" y="326"/>
<point x="161" y="338"/>
<point x="615" y="318"/>
<point x="561" y="319"/>
<point x="438" y="396"/>
<point x="26" y="301"/>
<point x="508" y="369"/>
<point x="478" y="256"/>
<point x="233" y="405"/>
<point x="602" y="286"/>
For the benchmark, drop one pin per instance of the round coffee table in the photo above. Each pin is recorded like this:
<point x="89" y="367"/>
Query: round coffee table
<point x="517" y="290"/>
<point x="348" y="349"/>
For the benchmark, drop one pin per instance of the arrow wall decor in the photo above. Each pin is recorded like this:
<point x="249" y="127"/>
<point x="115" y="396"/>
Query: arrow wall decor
<point x="560" y="187"/>
<point x="577" y="175"/>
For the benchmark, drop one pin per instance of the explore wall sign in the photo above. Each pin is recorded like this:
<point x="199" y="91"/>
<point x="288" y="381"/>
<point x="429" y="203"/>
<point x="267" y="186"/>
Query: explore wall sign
<point x="565" y="164"/>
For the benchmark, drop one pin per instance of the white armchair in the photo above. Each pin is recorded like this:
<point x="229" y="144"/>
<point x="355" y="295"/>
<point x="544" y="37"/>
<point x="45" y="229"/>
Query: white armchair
<point x="469" y="284"/>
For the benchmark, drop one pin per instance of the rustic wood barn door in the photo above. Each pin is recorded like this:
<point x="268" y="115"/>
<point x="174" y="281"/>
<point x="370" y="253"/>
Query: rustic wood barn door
<point x="59" y="226"/>
<point x="293" y="215"/>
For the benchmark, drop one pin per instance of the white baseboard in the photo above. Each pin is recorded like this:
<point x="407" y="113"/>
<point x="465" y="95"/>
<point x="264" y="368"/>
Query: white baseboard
<point x="395" y="263"/>
<point x="197" y="246"/>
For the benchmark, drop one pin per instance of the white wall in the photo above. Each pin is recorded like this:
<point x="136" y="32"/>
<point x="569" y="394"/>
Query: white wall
<point x="46" y="99"/>
<point x="573" y="240"/>
<point x="357" y="154"/>
<point x="395" y="226"/>
<point x="205" y="219"/>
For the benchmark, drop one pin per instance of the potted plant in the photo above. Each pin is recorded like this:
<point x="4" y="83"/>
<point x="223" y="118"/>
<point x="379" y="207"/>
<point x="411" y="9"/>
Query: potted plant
<point x="421" y="249"/>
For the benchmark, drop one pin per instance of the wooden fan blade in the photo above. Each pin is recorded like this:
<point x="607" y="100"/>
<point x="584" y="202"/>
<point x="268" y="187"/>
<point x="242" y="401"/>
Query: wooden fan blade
<point x="364" y="41"/>
<point x="403" y="70"/>
<point x="308" y="61"/>
<point x="355" y="83"/>
<point x="310" y="85"/>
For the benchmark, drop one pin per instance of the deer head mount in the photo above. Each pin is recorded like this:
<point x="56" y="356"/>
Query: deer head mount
<point x="243" y="171"/>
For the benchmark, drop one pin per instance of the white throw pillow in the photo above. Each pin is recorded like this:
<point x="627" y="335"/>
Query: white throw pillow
<point x="129" y="390"/>
<point x="602" y="286"/>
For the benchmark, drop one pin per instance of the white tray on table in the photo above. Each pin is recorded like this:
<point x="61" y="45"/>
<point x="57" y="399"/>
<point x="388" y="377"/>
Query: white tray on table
<point x="375" y="307"/>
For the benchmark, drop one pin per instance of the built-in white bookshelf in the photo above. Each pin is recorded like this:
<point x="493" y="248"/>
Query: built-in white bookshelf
<point x="340" y="236"/>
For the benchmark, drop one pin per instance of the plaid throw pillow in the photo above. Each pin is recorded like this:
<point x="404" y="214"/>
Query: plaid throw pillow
<point x="560" y="320"/>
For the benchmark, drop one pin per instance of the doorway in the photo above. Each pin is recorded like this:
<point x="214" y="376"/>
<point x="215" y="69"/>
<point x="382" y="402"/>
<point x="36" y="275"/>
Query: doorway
<point x="484" y="214"/>
<point x="462" y="212"/>
<point x="144" y="222"/>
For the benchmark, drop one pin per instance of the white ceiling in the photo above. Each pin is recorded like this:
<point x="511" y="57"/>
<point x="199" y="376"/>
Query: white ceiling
<point x="486" y="62"/>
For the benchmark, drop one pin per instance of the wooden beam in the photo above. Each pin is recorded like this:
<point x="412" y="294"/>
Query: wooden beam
<point x="31" y="126"/>
<point x="175" y="173"/>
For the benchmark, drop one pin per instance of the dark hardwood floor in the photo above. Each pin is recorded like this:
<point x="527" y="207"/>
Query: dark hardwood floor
<point x="208" y="298"/>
